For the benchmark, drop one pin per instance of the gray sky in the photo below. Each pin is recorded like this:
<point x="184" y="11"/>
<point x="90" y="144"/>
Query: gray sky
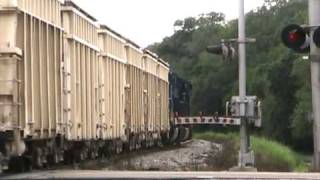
<point x="149" y="21"/>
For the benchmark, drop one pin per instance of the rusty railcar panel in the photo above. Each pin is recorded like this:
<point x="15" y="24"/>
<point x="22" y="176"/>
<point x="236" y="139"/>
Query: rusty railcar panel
<point x="80" y="74"/>
<point x="31" y="83"/>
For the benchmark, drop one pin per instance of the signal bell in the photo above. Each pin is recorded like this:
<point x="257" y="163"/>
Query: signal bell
<point x="297" y="38"/>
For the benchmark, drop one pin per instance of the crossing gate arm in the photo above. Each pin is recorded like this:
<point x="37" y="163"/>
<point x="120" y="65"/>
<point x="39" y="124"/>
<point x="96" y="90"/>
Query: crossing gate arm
<point x="198" y="120"/>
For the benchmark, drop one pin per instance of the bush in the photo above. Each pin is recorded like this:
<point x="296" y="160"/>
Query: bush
<point x="273" y="156"/>
<point x="269" y="155"/>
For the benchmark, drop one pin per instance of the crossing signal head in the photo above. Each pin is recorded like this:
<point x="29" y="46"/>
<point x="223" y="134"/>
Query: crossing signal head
<point x="296" y="37"/>
<point x="226" y="51"/>
<point x="216" y="49"/>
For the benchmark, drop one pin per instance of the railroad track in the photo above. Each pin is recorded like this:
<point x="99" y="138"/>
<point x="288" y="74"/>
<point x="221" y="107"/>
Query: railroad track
<point x="101" y="161"/>
<point x="163" y="175"/>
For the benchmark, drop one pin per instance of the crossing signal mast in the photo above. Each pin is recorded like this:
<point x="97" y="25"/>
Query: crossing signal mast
<point x="306" y="39"/>
<point x="246" y="108"/>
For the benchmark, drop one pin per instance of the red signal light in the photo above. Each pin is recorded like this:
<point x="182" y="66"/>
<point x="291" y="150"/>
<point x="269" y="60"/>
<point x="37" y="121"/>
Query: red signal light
<point x="293" y="37"/>
<point x="296" y="37"/>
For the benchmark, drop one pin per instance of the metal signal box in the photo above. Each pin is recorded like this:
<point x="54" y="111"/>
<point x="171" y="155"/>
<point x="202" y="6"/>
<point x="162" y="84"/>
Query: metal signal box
<point x="251" y="109"/>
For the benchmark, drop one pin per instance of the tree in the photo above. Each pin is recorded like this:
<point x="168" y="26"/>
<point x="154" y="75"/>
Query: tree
<point x="275" y="73"/>
<point x="190" y="24"/>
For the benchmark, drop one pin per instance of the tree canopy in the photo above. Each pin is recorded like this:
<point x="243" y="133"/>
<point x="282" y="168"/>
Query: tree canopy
<point x="278" y="76"/>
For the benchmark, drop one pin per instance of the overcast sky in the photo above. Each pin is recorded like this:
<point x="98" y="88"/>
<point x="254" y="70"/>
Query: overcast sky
<point x="149" y="21"/>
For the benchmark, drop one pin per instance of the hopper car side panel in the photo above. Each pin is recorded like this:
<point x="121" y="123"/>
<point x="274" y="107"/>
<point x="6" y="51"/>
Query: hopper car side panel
<point x="113" y="83"/>
<point x="38" y="72"/>
<point x="72" y="89"/>
<point x="81" y="79"/>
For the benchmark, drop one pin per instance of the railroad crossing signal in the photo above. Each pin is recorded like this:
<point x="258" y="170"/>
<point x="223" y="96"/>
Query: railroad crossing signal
<point x="225" y="49"/>
<point x="253" y="109"/>
<point x="296" y="37"/>
<point x="242" y="106"/>
<point x="242" y="110"/>
<point x="306" y="39"/>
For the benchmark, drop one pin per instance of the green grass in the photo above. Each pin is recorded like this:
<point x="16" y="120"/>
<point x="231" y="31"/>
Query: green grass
<point x="269" y="154"/>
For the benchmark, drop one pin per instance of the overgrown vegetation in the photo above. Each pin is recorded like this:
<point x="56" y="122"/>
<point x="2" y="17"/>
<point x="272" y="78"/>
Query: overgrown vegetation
<point x="279" y="77"/>
<point x="269" y="155"/>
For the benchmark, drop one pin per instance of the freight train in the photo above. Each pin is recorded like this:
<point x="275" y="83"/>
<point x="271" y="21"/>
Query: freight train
<point x="73" y="89"/>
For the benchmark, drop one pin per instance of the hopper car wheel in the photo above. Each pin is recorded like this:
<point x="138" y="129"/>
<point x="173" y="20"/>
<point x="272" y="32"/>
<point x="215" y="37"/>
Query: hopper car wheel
<point x="44" y="158"/>
<point x="187" y="134"/>
<point x="159" y="143"/>
<point x="106" y="149"/>
<point x="37" y="155"/>
<point x="151" y="141"/>
<point x="126" y="146"/>
<point x="113" y="147"/>
<point x="132" y="143"/>
<point x="182" y="132"/>
<point x="28" y="163"/>
<point x="93" y="152"/>
<point x="135" y="142"/>
<point x="68" y="156"/>
<point x="110" y="148"/>
<point x="61" y="156"/>
<point x="173" y="135"/>
<point x="190" y="134"/>
<point x="148" y="140"/>
<point x="101" y="152"/>
<point x="92" y="155"/>
<point x="19" y="164"/>
<point x="138" y="142"/>
<point x="96" y="151"/>
<point x="3" y="163"/>
<point x="84" y="154"/>
<point x="78" y="156"/>
<point x="51" y="159"/>
<point x="144" y="143"/>
<point x="120" y="146"/>
<point x="165" y="138"/>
